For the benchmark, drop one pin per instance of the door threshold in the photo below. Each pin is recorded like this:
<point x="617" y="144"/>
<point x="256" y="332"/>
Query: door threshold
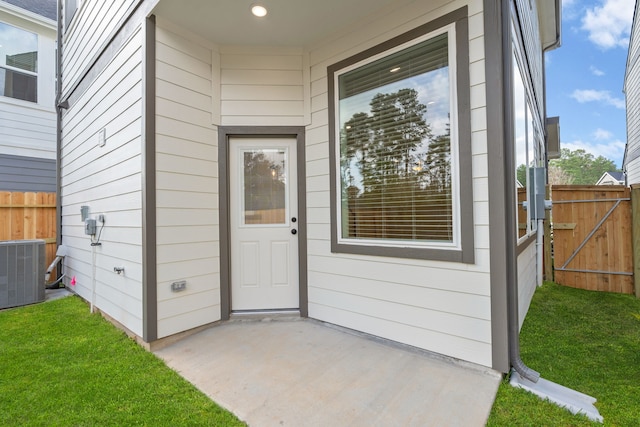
<point x="265" y="315"/>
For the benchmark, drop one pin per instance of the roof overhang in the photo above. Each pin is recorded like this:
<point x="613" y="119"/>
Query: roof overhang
<point x="550" y="21"/>
<point x="299" y="23"/>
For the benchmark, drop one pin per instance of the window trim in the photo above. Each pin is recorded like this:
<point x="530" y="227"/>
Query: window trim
<point x="463" y="251"/>
<point x="18" y="70"/>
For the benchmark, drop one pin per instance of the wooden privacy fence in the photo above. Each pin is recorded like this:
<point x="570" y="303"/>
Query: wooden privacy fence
<point x="592" y="237"/>
<point x="26" y="216"/>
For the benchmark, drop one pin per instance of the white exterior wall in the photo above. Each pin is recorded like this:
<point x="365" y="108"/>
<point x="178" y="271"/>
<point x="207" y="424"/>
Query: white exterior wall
<point x="440" y="306"/>
<point x="91" y="27"/>
<point x="27" y="128"/>
<point x="263" y="86"/>
<point x="186" y="181"/>
<point x="108" y="179"/>
<point x="632" y="95"/>
<point x="527" y="280"/>
<point x="633" y="171"/>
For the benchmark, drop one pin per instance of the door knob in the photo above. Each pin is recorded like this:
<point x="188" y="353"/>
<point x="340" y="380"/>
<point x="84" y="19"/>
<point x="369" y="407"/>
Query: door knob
<point x="294" y="231"/>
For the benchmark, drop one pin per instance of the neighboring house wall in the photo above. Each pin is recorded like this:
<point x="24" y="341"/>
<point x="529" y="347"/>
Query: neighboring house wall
<point x="19" y="173"/>
<point x="442" y="306"/>
<point x="186" y="180"/>
<point x="28" y="129"/>
<point x="632" y="94"/>
<point x="108" y="179"/>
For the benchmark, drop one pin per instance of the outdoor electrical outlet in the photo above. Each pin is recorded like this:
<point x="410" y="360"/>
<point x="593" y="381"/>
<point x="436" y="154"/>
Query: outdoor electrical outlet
<point x="101" y="218"/>
<point x="179" y="286"/>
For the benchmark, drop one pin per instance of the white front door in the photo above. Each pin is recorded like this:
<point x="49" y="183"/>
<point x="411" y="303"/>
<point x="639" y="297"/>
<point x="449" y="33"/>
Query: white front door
<point x="263" y="219"/>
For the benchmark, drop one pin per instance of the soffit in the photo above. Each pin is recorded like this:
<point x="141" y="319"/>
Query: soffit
<point x="288" y="23"/>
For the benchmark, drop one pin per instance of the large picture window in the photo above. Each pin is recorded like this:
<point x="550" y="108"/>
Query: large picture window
<point x="396" y="147"/>
<point x="18" y="63"/>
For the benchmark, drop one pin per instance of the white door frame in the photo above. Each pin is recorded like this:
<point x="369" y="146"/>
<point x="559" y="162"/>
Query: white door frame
<point x="224" y="135"/>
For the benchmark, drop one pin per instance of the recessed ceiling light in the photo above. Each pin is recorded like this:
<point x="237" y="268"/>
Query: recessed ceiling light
<point x="258" y="10"/>
<point x="393" y="70"/>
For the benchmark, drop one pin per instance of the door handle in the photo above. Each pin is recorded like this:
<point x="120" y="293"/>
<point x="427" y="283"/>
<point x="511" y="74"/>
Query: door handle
<point x="294" y="231"/>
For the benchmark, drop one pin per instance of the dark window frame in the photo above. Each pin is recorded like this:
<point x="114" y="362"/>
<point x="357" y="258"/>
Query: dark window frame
<point x="465" y="252"/>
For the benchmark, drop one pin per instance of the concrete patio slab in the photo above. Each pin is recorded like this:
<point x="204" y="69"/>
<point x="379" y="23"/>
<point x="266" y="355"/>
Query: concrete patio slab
<point x="300" y="372"/>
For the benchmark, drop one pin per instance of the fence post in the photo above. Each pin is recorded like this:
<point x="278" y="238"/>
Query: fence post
<point x="548" y="262"/>
<point x="635" y="227"/>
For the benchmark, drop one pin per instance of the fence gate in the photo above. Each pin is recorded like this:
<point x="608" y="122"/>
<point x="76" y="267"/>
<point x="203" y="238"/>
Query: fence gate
<point x="592" y="238"/>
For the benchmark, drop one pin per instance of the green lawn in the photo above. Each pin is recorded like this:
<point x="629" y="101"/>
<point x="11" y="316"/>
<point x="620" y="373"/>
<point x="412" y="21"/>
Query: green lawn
<point x="61" y="366"/>
<point x="588" y="341"/>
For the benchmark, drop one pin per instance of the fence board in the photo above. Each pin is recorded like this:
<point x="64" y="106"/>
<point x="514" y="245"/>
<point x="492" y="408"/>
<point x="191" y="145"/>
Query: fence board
<point x="605" y="260"/>
<point x="26" y="216"/>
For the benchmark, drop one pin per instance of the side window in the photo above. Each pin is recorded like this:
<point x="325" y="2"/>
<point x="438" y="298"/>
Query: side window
<point x="18" y="63"/>
<point x="396" y="150"/>
<point x="526" y="140"/>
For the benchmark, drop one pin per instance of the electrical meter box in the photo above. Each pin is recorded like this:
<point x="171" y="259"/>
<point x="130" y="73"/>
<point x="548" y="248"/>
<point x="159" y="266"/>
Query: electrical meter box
<point x="90" y="226"/>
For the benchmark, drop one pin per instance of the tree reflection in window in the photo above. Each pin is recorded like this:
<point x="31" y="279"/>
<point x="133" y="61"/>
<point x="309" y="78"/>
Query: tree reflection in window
<point x="395" y="147"/>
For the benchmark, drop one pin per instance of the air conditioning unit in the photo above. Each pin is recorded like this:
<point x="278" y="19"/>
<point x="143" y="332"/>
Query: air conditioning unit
<point x="22" y="264"/>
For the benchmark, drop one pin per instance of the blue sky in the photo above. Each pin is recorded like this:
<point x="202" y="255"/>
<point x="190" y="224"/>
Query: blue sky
<point x="585" y="76"/>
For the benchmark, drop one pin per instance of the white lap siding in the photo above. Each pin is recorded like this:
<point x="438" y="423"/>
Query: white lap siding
<point x="527" y="283"/>
<point x="263" y="86"/>
<point x="443" y="307"/>
<point x="186" y="182"/>
<point x="93" y="24"/>
<point x="108" y="179"/>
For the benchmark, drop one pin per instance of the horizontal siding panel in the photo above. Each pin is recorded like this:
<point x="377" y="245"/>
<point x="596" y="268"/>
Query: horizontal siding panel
<point x="174" y="74"/>
<point x="180" y="199"/>
<point x="261" y="93"/>
<point x="173" y="271"/>
<point x="187" y="252"/>
<point x="189" y="320"/>
<point x="318" y="199"/>
<point x="172" y="92"/>
<point x="107" y="177"/>
<point x="190" y="145"/>
<point x="263" y="121"/>
<point x="184" y="112"/>
<point x="260" y="62"/>
<point x="174" y="181"/>
<point x="181" y="234"/>
<point x="176" y="305"/>
<point x="261" y="77"/>
<point x="167" y="126"/>
<point x="91" y="27"/>
<point x="262" y="108"/>
<point x="464" y="349"/>
<point x="438" y="300"/>
<point x="178" y="216"/>
<point x="200" y="67"/>
<point x="437" y="276"/>
<point x="182" y="44"/>
<point x="436" y="321"/>
<point x="186" y="166"/>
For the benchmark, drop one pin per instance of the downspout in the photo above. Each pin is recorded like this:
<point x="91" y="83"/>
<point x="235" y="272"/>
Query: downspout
<point x="513" y="329"/>
<point x="59" y="108"/>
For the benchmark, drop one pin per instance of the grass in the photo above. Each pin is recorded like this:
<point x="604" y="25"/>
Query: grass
<point x="588" y="341"/>
<point x="62" y="366"/>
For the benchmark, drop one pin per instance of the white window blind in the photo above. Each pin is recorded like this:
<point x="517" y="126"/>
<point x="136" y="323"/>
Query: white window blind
<point x="395" y="146"/>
